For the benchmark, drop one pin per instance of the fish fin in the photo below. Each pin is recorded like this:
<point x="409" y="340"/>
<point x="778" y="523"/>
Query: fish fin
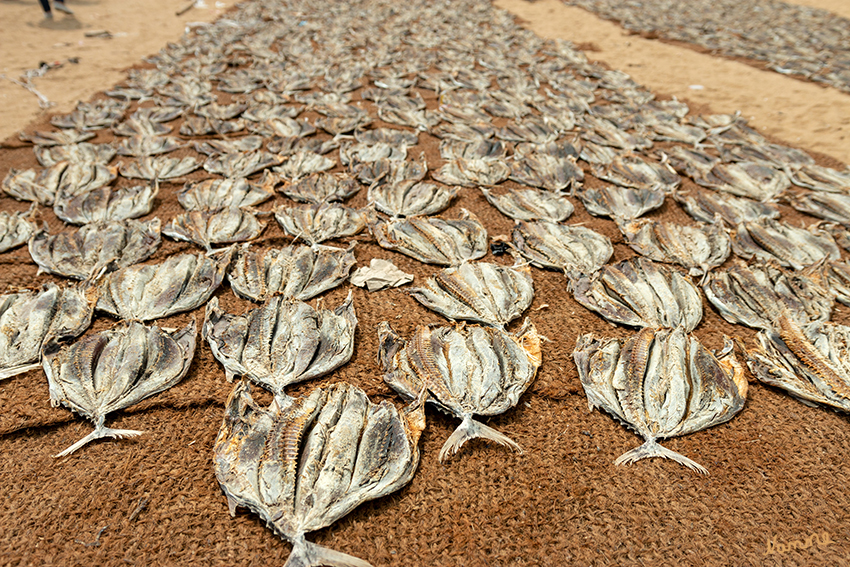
<point x="653" y="449"/>
<point x="99" y="433"/>
<point x="306" y="554"/>
<point x="15" y="370"/>
<point x="471" y="429"/>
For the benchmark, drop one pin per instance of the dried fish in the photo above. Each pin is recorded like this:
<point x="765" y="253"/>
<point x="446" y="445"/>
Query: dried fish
<point x="152" y="291"/>
<point x="698" y="248"/>
<point x="830" y="206"/>
<point x="411" y="198"/>
<point x="293" y="145"/>
<point x="478" y="291"/>
<point x="206" y="228"/>
<point x="115" y="369"/>
<point x="834" y="276"/>
<point x="203" y="126"/>
<point x="705" y="206"/>
<point x="689" y="161"/>
<point x="531" y="204"/>
<point x="603" y="132"/>
<point x="321" y="187"/>
<point x="390" y="171"/>
<point x="297" y="272"/>
<point x="281" y="342"/>
<point x="811" y="363"/>
<point x="15" y="228"/>
<point x="640" y="293"/>
<point x="473" y="172"/>
<point x="220" y="194"/>
<point x="574" y="249"/>
<point x="237" y="146"/>
<point x="145" y="145"/>
<point x="756" y="295"/>
<point x="241" y="165"/>
<point x="158" y="168"/>
<point x="534" y="129"/>
<point x="316" y="223"/>
<point x="95" y="248"/>
<point x="790" y="246"/>
<point x="92" y="116"/>
<point x="57" y="137"/>
<point x="662" y="383"/>
<point x="822" y="178"/>
<point x="303" y="464"/>
<point x="433" y="240"/>
<point x="598" y="154"/>
<point x="302" y="164"/>
<point x="631" y="170"/>
<point x="619" y="202"/>
<point x="284" y="127"/>
<point x="746" y="179"/>
<point x="466" y="370"/>
<point x="30" y="185"/>
<point x="548" y="172"/>
<point x="106" y="204"/>
<point x="452" y="149"/>
<point x="80" y="153"/>
<point x="28" y="319"/>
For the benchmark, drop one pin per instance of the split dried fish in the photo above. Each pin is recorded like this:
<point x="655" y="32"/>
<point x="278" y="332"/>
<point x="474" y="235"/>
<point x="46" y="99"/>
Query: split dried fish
<point x="316" y="223"/>
<point x="789" y="245"/>
<point x="598" y="154"/>
<point x="452" y="149"/>
<point x="302" y="164"/>
<point x="281" y="342"/>
<point x="203" y="126"/>
<point x="619" y="202"/>
<point x="219" y="194"/>
<point x="531" y="204"/>
<point x="534" y="129"/>
<point x="661" y="383"/>
<point x="433" y="240"/>
<point x="15" y="228"/>
<point x="92" y="116"/>
<point x="473" y="172"/>
<point x="689" y="161"/>
<point x="293" y="145"/>
<point x="297" y="272"/>
<point x="80" y="153"/>
<point x="284" y="127"/>
<point x="321" y="187"/>
<point x="834" y="276"/>
<point x="95" y="248"/>
<point x="158" y="168"/>
<point x="144" y="145"/>
<point x="115" y="369"/>
<point x="411" y="198"/>
<point x="478" y="291"/>
<point x="605" y="133"/>
<point x="57" y="137"/>
<point x="237" y="146"/>
<point x="822" y="178"/>
<point x="31" y="185"/>
<point x="106" y="204"/>
<point x="698" y="248"/>
<point x="746" y="179"/>
<point x="206" y="228"/>
<point x="640" y="293"/>
<point x="303" y="464"/>
<point x="28" y="319"/>
<point x="466" y="370"/>
<point x="704" y="206"/>
<point x="757" y="294"/>
<point x="390" y="171"/>
<point x="574" y="249"/>
<point x="241" y="165"/>
<point x="833" y="207"/>
<point x="548" y="172"/>
<point x="811" y="363"/>
<point x="152" y="291"/>
<point x="631" y="170"/>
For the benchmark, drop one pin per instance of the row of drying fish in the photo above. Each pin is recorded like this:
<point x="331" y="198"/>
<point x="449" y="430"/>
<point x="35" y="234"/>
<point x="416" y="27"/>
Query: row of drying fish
<point x="301" y="463"/>
<point x="792" y="39"/>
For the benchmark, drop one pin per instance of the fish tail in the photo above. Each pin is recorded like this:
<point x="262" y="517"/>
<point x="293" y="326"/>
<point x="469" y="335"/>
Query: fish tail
<point x="306" y="554"/>
<point x="471" y="429"/>
<point x="653" y="449"/>
<point x="99" y="433"/>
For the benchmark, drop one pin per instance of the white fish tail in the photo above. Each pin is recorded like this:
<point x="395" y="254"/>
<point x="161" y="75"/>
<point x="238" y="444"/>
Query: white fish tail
<point x="99" y="433"/>
<point x="470" y="429"/>
<point x="15" y="370"/>
<point x="306" y="554"/>
<point x="653" y="449"/>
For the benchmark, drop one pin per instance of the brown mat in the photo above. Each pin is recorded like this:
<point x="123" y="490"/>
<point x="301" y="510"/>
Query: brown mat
<point x="778" y="470"/>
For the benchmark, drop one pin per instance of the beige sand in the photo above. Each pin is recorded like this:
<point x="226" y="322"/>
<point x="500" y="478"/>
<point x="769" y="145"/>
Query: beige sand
<point x="803" y="114"/>
<point x="139" y="27"/>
